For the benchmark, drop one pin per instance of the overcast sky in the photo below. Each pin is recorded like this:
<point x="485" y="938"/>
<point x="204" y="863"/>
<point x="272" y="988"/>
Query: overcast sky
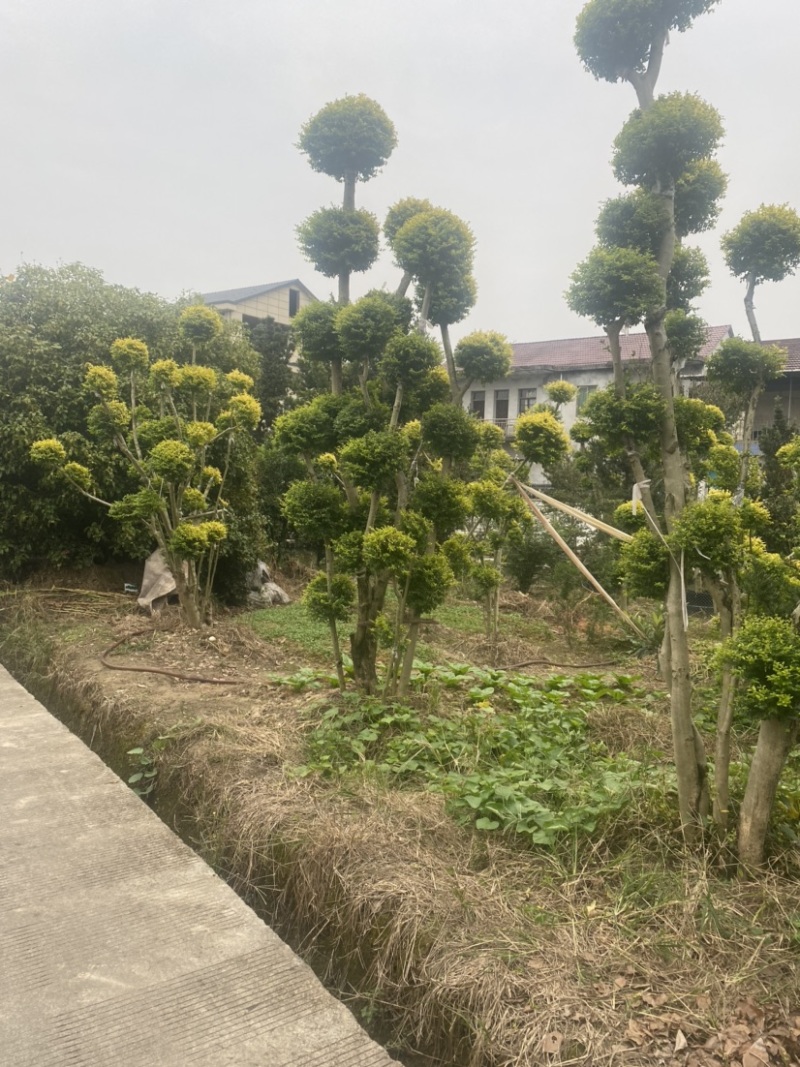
<point x="154" y="139"/>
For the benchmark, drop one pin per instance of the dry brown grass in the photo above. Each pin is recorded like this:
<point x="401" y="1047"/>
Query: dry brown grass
<point x="462" y="947"/>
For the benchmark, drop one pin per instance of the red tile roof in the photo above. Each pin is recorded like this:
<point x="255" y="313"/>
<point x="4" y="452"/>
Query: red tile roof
<point x="578" y="352"/>
<point x="792" y="346"/>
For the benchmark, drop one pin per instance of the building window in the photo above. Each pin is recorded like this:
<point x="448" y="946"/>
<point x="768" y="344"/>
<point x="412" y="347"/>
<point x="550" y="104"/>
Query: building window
<point x="584" y="392"/>
<point x="477" y="404"/>
<point x="526" y="398"/>
<point x="501" y="407"/>
<point x="294" y="302"/>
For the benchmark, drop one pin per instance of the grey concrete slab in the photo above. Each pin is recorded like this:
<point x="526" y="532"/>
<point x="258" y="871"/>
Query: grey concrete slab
<point x="119" y="945"/>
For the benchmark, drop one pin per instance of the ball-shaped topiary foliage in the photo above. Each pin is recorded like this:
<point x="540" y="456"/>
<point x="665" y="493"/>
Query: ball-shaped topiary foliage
<point x="101" y="382"/>
<point x="697" y="194"/>
<point x="688" y="278"/>
<point x="765" y="656"/>
<point x="408" y="358"/>
<point x="351" y="137"/>
<point x="629" y="521"/>
<point x="616" y="285"/>
<point x="193" y="541"/>
<point x="79" y="475"/>
<point x="765" y="244"/>
<point x="540" y="438"/>
<point x="459" y="551"/>
<point x="172" y="460"/>
<point x="109" y="419"/>
<point x="710" y="534"/>
<point x="451" y="299"/>
<point x="697" y="424"/>
<point x="741" y="367"/>
<point x="723" y="467"/>
<point x="242" y="412"/>
<point x="373" y="461"/>
<point x="399" y="214"/>
<point x="329" y="601"/>
<point x="686" y="335"/>
<point x="49" y="452"/>
<point x="614" y="37"/>
<point x="338" y="241"/>
<point x="199" y="324"/>
<point x="483" y="356"/>
<point x="348" y="551"/>
<point x="485" y="578"/>
<point x="164" y="373"/>
<point x="435" y="246"/>
<point x="144" y="504"/>
<point x="449" y="432"/>
<point x="193" y="501"/>
<point x="418" y="528"/>
<point x="314" y="332"/>
<point x="239" y="382"/>
<point x="433" y="388"/>
<point x="561" y="392"/>
<point x="663" y="142"/>
<point x="636" y="220"/>
<point x="199" y="434"/>
<point x="770" y="583"/>
<point x="354" y="418"/>
<point x="429" y="582"/>
<point x="197" y="381"/>
<point x="309" y="430"/>
<point x="441" y="501"/>
<point x="316" y="510"/>
<point x="644" y="565"/>
<point x="130" y="355"/>
<point x="364" y="328"/>
<point x="388" y="550"/>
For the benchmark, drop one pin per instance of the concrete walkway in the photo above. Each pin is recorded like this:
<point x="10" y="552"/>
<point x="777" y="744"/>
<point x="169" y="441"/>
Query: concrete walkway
<point x="118" y="945"/>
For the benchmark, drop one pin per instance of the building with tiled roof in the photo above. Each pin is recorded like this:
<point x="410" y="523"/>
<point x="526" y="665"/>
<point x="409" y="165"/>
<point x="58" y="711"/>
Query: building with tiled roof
<point x="253" y="303"/>
<point x="784" y="390"/>
<point x="583" y="361"/>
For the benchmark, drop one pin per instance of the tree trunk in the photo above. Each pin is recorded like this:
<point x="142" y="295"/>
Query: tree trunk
<point x="363" y="642"/>
<point x="424" y="310"/>
<point x="349" y="196"/>
<point x="750" y="308"/>
<point x="337" y="649"/>
<point x="187" y="596"/>
<point x="775" y="740"/>
<point x="747" y="433"/>
<point x="692" y="783"/>
<point x="408" y="657"/>
<point x="344" y="288"/>
<point x="726" y="602"/>
<point x="405" y="281"/>
<point x="634" y="459"/>
<point x="451" y="364"/>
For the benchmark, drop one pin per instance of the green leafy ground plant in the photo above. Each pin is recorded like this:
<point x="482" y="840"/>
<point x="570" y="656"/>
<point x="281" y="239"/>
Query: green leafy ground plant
<point x="511" y="753"/>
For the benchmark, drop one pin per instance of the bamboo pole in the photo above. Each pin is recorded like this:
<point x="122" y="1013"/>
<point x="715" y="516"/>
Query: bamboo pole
<point x="562" y="544"/>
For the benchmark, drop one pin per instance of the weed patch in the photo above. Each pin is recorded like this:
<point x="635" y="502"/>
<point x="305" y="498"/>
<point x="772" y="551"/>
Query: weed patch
<point x="511" y="754"/>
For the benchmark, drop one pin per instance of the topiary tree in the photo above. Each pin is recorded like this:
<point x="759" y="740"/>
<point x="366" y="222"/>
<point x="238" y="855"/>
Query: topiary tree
<point x="742" y="369"/>
<point x="349" y="139"/>
<point x="482" y="356"/>
<point x="765" y="655"/>
<point x="665" y="145"/>
<point x="764" y="247"/>
<point x="52" y="321"/>
<point x="181" y="491"/>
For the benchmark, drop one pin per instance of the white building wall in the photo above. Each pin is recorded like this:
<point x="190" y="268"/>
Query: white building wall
<point x="273" y="304"/>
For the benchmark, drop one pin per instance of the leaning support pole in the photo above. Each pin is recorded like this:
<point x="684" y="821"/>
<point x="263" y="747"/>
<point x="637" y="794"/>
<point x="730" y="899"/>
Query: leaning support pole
<point x="562" y="544"/>
<point x="576" y="513"/>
